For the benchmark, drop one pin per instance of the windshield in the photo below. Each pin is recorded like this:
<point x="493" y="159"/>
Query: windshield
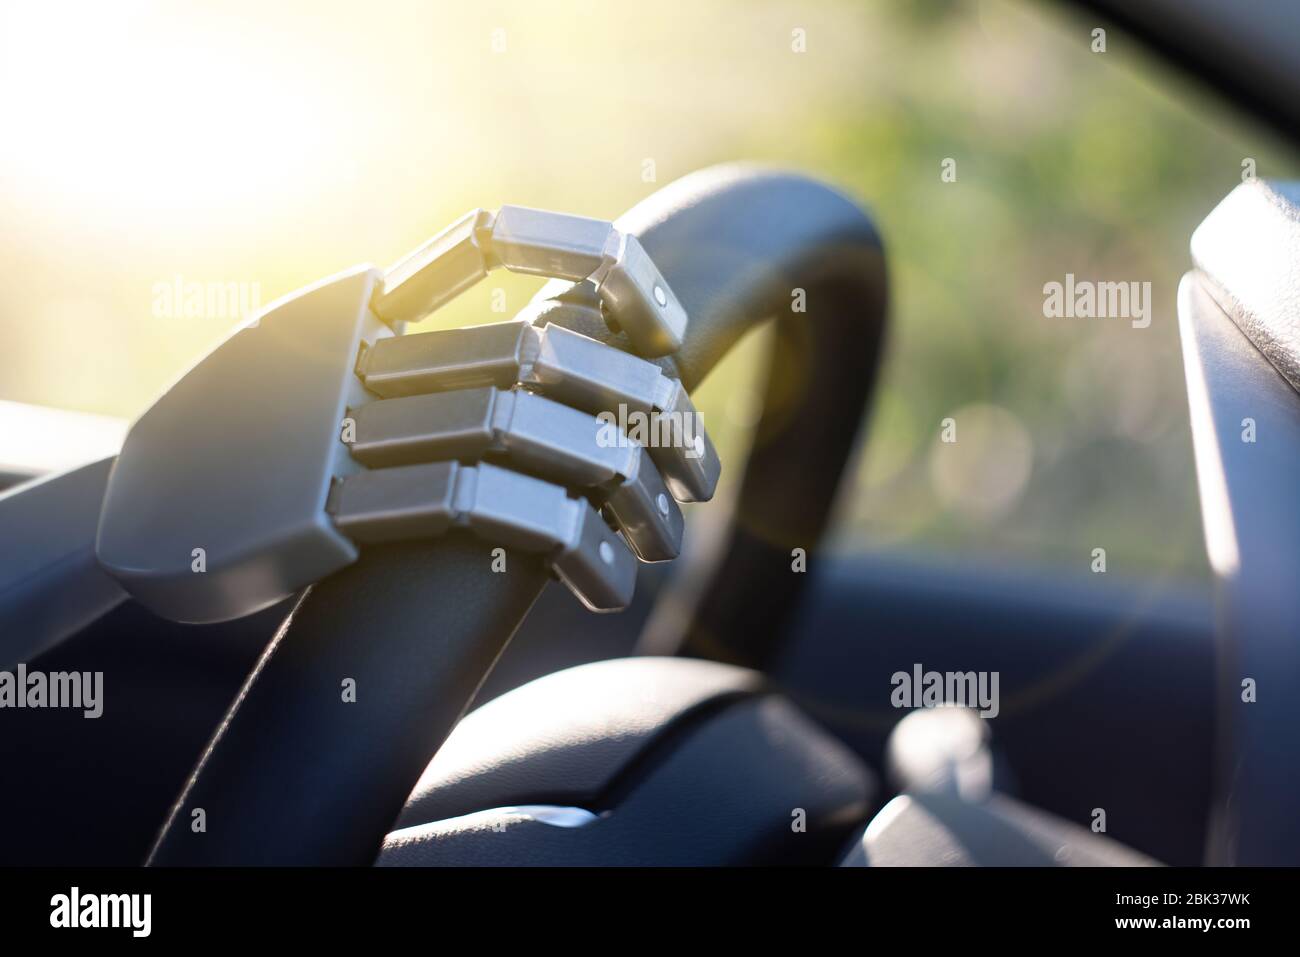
<point x="168" y="172"/>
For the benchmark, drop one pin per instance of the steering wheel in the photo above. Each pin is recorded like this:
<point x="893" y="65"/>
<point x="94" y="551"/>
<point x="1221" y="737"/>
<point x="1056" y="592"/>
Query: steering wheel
<point x="296" y="777"/>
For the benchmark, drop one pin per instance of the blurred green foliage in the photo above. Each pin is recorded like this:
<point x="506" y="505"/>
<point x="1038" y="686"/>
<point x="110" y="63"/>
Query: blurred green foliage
<point x="1067" y="161"/>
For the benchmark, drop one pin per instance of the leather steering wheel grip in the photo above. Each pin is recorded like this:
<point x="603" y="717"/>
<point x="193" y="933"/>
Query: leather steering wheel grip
<point x="297" y="775"/>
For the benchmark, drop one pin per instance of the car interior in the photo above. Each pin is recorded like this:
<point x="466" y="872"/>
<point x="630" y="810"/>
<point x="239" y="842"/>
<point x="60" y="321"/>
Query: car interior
<point x="320" y="651"/>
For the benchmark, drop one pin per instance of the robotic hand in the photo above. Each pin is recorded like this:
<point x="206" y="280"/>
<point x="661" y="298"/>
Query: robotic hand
<point x="319" y="427"/>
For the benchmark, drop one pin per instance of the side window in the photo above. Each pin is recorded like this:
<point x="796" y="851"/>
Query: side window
<point x="1037" y="187"/>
